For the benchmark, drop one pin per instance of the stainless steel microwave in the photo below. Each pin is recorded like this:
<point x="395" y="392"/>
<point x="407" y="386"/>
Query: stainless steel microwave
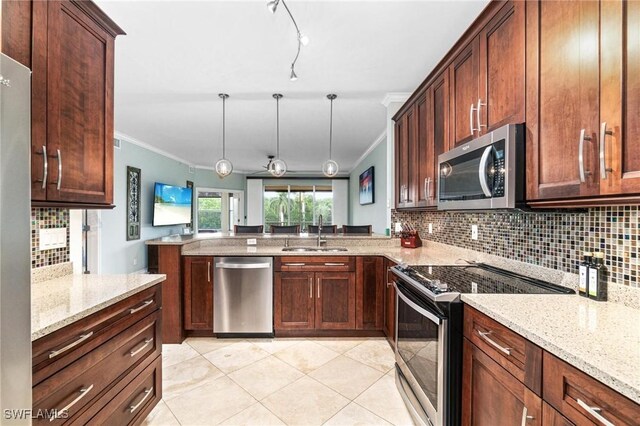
<point x="486" y="173"/>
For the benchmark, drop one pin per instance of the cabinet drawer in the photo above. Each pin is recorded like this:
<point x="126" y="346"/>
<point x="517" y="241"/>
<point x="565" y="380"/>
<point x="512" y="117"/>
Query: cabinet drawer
<point x="136" y="400"/>
<point x="80" y="383"/>
<point x="513" y="352"/>
<point x="315" y="263"/>
<point x="53" y="352"/>
<point x="584" y="400"/>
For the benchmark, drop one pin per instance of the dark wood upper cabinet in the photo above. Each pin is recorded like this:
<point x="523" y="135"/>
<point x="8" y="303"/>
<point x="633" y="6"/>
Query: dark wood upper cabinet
<point x="370" y="280"/>
<point x="16" y="30"/>
<point x="502" y="59"/>
<point x="424" y="146"/>
<point x="198" y="293"/>
<point x="335" y="300"/>
<point x="294" y="300"/>
<point x="464" y="79"/>
<point x="72" y="53"/>
<point x="406" y="152"/>
<point x="492" y="396"/>
<point x="562" y="99"/>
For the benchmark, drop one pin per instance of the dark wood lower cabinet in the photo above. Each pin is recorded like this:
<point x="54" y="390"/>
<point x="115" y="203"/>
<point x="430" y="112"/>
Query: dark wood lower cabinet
<point x="198" y="293"/>
<point x="294" y="301"/>
<point x="550" y="417"/>
<point x="370" y="282"/>
<point x="335" y="301"/>
<point x="167" y="259"/>
<point x="492" y="396"/>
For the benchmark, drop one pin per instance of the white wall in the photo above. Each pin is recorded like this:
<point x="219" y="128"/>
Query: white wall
<point x="255" y="205"/>
<point x="340" y="213"/>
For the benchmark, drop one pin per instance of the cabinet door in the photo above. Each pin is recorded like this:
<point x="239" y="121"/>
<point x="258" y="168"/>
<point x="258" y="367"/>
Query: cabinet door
<point x="401" y="157"/>
<point x="502" y="55"/>
<point x="390" y="306"/>
<point x="562" y="98"/>
<point x="424" y="178"/>
<point x="80" y="106"/>
<point x="198" y="293"/>
<point x="492" y="396"/>
<point x="550" y="417"/>
<point x="440" y="111"/>
<point x="294" y="300"/>
<point x="369" y="292"/>
<point x="335" y="300"/>
<point x="464" y="81"/>
<point x="620" y="98"/>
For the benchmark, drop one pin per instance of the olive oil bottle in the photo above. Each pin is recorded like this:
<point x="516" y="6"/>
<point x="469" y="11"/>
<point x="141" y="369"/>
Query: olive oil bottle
<point x="598" y="278"/>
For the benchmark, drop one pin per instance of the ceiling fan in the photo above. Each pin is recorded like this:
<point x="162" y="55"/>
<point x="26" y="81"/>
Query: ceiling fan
<point x="268" y="165"/>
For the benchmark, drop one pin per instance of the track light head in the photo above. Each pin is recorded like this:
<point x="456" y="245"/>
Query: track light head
<point x="293" y="76"/>
<point x="304" y="39"/>
<point x="273" y="5"/>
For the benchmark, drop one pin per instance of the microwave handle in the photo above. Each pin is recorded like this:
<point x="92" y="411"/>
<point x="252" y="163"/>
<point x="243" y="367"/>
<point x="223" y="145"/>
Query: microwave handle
<point x="481" y="171"/>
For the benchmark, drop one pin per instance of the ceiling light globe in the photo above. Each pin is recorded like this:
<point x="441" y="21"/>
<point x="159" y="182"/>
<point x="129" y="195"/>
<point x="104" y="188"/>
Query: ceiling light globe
<point x="224" y="167"/>
<point x="304" y="39"/>
<point x="330" y="168"/>
<point x="278" y="168"/>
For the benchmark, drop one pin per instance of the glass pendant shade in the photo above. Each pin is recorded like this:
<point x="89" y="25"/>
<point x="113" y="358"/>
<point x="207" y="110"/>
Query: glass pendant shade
<point x="224" y="167"/>
<point x="330" y="168"/>
<point x="278" y="167"/>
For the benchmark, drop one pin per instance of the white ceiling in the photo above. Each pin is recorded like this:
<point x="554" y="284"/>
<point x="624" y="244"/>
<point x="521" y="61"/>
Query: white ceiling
<point x="177" y="56"/>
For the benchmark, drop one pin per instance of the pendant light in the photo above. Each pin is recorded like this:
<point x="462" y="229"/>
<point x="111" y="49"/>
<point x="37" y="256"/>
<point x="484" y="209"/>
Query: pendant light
<point x="223" y="166"/>
<point x="330" y="168"/>
<point x="278" y="167"/>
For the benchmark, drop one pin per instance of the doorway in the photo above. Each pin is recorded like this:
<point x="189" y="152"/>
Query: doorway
<point x="218" y="210"/>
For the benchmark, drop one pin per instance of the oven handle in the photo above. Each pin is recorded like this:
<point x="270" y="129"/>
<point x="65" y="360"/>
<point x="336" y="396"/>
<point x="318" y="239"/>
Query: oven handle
<point x="417" y="308"/>
<point x="482" y="171"/>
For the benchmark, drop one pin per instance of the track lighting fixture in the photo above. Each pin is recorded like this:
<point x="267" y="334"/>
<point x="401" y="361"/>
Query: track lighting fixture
<point x="330" y="168"/>
<point x="277" y="167"/>
<point x="303" y="39"/>
<point x="223" y="166"/>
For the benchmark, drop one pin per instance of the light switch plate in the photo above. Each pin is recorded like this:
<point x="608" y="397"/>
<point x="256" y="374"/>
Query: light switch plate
<point x="474" y="232"/>
<point x="252" y="241"/>
<point x="431" y="228"/>
<point x="52" y="238"/>
<point x="398" y="227"/>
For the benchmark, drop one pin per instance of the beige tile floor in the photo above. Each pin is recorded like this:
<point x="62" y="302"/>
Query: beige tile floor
<point x="343" y="382"/>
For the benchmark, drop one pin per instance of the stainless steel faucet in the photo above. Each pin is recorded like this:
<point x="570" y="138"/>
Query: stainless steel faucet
<point x="320" y="241"/>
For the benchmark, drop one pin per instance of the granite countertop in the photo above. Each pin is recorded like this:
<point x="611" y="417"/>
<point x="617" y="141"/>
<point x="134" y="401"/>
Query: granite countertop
<point x="179" y="240"/>
<point x="600" y="338"/>
<point x="61" y="301"/>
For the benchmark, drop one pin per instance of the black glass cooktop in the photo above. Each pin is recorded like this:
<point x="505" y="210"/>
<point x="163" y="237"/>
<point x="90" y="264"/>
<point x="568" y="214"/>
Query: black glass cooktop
<point x="443" y="282"/>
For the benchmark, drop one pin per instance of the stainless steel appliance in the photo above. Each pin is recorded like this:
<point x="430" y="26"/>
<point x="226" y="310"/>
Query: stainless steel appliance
<point x="429" y="331"/>
<point x="243" y="296"/>
<point x="486" y="173"/>
<point x="15" y="241"/>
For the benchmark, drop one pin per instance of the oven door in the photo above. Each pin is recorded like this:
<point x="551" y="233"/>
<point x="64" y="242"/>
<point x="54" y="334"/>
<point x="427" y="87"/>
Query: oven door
<point x="420" y="354"/>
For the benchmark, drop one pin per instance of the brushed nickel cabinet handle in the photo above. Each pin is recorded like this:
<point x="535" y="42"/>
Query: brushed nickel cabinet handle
<point x="525" y="417"/>
<point x="484" y="335"/>
<point x="318" y="288"/>
<point x="471" y="109"/>
<point x="208" y="272"/>
<point x="45" y="166"/>
<point x="59" y="184"/>
<point x="333" y="264"/>
<point x="595" y="412"/>
<point x="139" y="308"/>
<point x="310" y="288"/>
<point x="73" y="344"/>
<point x="603" y="142"/>
<point x="146" y="393"/>
<point x="583" y="173"/>
<point x="83" y="393"/>
<point x="480" y="104"/>
<point x="294" y="264"/>
<point x="147" y="342"/>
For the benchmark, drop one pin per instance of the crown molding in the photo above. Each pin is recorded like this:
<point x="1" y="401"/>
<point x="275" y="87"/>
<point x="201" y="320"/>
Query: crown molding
<point x="378" y="141"/>
<point x="395" y="97"/>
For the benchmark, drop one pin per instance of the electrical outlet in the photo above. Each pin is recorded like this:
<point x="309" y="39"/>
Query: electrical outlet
<point x="398" y="227"/>
<point x="135" y="260"/>
<point x="252" y="241"/>
<point x="474" y="287"/>
<point x="431" y="228"/>
<point x="474" y="232"/>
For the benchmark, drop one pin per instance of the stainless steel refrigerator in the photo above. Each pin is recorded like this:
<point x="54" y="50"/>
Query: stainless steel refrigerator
<point x="15" y="242"/>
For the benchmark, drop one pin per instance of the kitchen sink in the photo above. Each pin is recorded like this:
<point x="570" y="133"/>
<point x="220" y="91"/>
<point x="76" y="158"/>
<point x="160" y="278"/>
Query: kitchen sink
<point x="315" y="249"/>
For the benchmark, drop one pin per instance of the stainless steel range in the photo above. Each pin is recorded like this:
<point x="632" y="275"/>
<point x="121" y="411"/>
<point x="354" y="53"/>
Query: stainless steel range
<point x="429" y="331"/>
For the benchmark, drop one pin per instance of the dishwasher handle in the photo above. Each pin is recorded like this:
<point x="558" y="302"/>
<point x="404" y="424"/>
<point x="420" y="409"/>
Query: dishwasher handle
<point x="223" y="265"/>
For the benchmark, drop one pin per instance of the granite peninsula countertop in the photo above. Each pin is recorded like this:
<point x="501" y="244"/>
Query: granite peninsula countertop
<point x="61" y="301"/>
<point x="179" y="240"/>
<point x="600" y="338"/>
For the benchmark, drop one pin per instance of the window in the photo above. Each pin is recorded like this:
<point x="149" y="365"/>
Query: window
<point x="209" y="211"/>
<point x="218" y="210"/>
<point x="297" y="205"/>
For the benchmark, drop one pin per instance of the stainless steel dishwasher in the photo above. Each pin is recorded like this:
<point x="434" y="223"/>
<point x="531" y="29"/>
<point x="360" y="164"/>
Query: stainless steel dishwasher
<point x="243" y="296"/>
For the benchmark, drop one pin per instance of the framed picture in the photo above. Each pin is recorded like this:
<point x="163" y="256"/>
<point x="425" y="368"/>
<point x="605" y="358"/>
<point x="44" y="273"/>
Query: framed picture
<point x="133" y="203"/>
<point x="367" y="187"/>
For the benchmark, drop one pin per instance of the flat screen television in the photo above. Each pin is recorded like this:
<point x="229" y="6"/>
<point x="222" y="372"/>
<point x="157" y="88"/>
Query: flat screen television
<point x="171" y="205"/>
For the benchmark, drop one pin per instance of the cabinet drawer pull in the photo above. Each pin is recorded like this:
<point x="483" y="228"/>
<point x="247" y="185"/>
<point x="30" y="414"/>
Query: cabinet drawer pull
<point x="333" y="264"/>
<point x="318" y="288"/>
<point x="471" y="109"/>
<point x="525" y="417"/>
<point x="603" y="143"/>
<point x="480" y="104"/>
<point x="594" y="411"/>
<point x="294" y="264"/>
<point x="83" y="393"/>
<point x="310" y="288"/>
<point x="146" y="393"/>
<point x="81" y="339"/>
<point x="583" y="173"/>
<point x="59" y="184"/>
<point x="147" y="342"/>
<point x="484" y="334"/>
<point x="45" y="166"/>
<point x="139" y="308"/>
<point x="208" y="272"/>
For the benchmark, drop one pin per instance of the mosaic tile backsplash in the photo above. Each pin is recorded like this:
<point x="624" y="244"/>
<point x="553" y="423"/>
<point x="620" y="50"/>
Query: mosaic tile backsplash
<point x="48" y="218"/>
<point x="549" y="239"/>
